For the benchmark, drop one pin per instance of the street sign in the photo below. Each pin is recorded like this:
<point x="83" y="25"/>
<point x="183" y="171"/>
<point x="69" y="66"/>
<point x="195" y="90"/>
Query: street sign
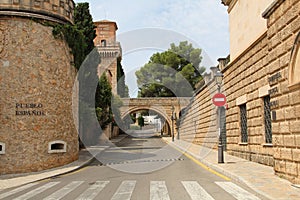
<point x="219" y="99"/>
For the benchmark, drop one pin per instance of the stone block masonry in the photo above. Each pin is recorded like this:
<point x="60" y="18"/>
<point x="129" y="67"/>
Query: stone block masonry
<point x="268" y="67"/>
<point x="37" y="129"/>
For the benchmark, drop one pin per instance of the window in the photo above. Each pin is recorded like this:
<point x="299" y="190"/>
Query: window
<point x="57" y="147"/>
<point x="243" y="123"/>
<point x="267" y="120"/>
<point x="103" y="43"/>
<point x="2" y="148"/>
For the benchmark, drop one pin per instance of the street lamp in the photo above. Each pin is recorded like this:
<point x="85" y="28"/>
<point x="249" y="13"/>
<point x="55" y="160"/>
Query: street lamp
<point x="172" y="118"/>
<point x="218" y="79"/>
<point x="177" y="126"/>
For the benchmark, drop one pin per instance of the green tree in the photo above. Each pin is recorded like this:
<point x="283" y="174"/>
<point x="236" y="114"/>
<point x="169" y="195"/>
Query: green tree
<point x="116" y="105"/>
<point x="174" y="72"/>
<point x="122" y="88"/>
<point x="75" y="40"/>
<point x="84" y="22"/>
<point x="103" y="102"/>
<point x="80" y="36"/>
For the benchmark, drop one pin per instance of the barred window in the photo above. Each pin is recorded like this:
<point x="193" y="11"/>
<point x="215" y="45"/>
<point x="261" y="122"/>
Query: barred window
<point x="267" y="120"/>
<point x="243" y="123"/>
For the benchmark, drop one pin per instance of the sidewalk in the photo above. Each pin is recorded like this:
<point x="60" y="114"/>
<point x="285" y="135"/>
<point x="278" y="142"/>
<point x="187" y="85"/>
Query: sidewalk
<point x="86" y="156"/>
<point x="258" y="177"/>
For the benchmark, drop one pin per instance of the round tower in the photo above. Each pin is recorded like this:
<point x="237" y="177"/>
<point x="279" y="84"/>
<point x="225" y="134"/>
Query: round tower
<point x="37" y="129"/>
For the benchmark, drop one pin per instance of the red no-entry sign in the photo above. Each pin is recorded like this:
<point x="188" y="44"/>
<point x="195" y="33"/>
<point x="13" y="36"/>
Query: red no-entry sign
<point x="219" y="99"/>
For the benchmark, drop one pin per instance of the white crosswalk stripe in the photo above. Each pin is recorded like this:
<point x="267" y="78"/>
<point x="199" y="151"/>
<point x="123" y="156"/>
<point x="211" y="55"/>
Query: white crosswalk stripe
<point x="36" y="191"/>
<point x="20" y="189"/>
<point x="158" y="190"/>
<point x="93" y="190"/>
<point x="125" y="190"/>
<point x="195" y="191"/>
<point x="64" y="191"/>
<point x="236" y="191"/>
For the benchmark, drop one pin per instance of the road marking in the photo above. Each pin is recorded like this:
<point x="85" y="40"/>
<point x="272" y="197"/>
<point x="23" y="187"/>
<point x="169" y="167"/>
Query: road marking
<point x="64" y="191"/>
<point x="93" y="190"/>
<point x="2" y="196"/>
<point x="201" y="164"/>
<point x="195" y="191"/>
<point x="125" y="190"/>
<point x="158" y="190"/>
<point x="36" y="191"/>
<point x="236" y="191"/>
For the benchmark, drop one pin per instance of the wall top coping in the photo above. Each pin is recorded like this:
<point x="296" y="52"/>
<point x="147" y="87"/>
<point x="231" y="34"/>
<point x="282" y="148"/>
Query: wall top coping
<point x="269" y="11"/>
<point x="229" y="3"/>
<point x="51" y="10"/>
<point x="233" y="62"/>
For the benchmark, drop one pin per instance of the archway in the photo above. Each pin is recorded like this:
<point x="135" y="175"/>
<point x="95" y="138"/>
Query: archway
<point x="166" y="126"/>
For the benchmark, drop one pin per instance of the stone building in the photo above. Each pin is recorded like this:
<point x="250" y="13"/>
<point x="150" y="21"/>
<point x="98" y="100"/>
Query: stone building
<point x="37" y="129"/>
<point x="110" y="53"/>
<point x="262" y="84"/>
<point x="109" y="49"/>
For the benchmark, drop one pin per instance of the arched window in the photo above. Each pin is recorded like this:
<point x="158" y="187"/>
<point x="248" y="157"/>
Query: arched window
<point x="103" y="43"/>
<point x="294" y="68"/>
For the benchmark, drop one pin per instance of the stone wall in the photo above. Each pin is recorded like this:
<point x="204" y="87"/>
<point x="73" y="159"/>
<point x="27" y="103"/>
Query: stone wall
<point x="264" y="69"/>
<point x="244" y="78"/>
<point x="199" y="120"/>
<point x="283" y="28"/>
<point x="37" y="129"/>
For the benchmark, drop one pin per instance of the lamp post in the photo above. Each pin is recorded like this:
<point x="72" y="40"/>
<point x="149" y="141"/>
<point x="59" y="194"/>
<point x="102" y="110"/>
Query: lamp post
<point x="177" y="126"/>
<point x="218" y="79"/>
<point x="172" y="118"/>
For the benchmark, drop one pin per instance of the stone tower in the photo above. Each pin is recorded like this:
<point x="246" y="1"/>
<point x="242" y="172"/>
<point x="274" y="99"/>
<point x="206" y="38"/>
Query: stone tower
<point x="109" y="49"/>
<point x="37" y="129"/>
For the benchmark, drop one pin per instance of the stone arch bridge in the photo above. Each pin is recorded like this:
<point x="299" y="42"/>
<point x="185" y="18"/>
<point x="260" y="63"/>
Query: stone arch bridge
<point x="161" y="105"/>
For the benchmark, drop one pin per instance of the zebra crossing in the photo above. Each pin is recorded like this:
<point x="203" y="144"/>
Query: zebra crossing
<point x="158" y="191"/>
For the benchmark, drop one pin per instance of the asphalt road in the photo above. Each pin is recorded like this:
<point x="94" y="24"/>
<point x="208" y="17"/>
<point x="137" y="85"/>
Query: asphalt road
<point x="138" y="167"/>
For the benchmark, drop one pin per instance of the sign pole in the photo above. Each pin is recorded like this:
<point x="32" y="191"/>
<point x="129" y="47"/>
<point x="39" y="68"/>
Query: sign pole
<point x="219" y="100"/>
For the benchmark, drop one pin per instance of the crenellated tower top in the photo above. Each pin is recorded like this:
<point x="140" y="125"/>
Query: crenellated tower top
<point x="60" y="11"/>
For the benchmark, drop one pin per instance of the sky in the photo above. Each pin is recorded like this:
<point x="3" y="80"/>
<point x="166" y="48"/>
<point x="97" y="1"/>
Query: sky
<point x="149" y="26"/>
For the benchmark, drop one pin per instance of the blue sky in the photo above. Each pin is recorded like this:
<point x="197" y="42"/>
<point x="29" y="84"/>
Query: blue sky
<point x="204" y="23"/>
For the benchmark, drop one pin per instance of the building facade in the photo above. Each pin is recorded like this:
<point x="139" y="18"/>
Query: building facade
<point x="37" y="129"/>
<point x="261" y="121"/>
<point x="262" y="84"/>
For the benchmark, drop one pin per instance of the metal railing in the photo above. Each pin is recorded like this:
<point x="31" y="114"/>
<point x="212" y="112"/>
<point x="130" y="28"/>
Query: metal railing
<point x="267" y="120"/>
<point x="244" y="126"/>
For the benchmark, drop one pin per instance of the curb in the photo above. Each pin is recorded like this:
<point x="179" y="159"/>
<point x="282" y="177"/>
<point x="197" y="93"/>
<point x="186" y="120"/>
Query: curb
<point x="21" y="182"/>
